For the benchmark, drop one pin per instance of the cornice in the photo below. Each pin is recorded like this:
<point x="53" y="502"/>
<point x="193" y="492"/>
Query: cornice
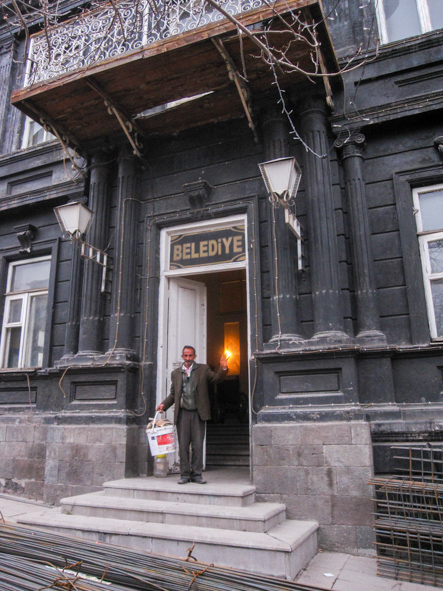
<point x="28" y="153"/>
<point x="69" y="189"/>
<point x="390" y="111"/>
<point x="397" y="49"/>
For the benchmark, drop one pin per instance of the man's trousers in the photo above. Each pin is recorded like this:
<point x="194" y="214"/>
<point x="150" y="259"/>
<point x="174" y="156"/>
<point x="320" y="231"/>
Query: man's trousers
<point x="190" y="429"/>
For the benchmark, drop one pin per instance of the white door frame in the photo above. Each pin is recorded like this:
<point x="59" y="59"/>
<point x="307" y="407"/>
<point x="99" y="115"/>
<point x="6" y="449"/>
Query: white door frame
<point x="165" y="273"/>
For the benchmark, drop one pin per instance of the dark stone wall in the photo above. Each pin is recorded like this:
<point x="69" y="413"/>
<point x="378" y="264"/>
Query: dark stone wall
<point x="352" y="25"/>
<point x="394" y="100"/>
<point x="226" y="157"/>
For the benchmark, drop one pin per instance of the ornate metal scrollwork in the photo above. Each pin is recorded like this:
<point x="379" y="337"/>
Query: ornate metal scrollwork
<point x="119" y="28"/>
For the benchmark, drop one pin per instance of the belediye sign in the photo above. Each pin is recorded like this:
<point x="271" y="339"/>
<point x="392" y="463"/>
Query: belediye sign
<point x="222" y="245"/>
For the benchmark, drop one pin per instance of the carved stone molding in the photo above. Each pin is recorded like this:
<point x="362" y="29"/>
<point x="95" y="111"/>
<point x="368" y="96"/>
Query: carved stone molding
<point x="438" y="143"/>
<point x="197" y="193"/>
<point x="25" y="235"/>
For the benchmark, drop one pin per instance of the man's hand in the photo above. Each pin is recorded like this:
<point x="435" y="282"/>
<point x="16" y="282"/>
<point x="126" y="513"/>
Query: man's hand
<point x="224" y="361"/>
<point x="160" y="407"/>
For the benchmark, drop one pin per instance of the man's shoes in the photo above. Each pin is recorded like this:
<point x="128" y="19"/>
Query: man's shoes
<point x="184" y="480"/>
<point x="198" y="479"/>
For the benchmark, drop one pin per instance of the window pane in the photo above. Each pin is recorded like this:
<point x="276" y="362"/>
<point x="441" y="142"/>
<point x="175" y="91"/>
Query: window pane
<point x="13" y="346"/>
<point x="436" y="255"/>
<point x="36" y="331"/>
<point x="401" y="19"/>
<point x="37" y="134"/>
<point x="30" y="276"/>
<point x="437" y="298"/>
<point x="436" y="12"/>
<point x="15" y="311"/>
<point x="431" y="208"/>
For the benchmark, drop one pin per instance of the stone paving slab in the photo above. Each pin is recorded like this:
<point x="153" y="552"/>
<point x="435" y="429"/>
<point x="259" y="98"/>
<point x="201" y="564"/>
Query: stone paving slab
<point x="12" y="508"/>
<point x="351" y="573"/>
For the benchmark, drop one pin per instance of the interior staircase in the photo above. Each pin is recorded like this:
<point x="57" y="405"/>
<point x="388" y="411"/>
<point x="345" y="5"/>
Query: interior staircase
<point x="227" y="445"/>
<point x="220" y="520"/>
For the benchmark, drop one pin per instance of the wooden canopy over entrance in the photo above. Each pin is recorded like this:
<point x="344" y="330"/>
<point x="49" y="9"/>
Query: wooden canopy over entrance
<point x="92" y="103"/>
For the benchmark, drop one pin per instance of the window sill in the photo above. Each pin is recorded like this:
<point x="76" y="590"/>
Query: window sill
<point x="17" y="373"/>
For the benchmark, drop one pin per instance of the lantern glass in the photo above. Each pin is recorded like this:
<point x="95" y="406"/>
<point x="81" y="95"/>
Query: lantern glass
<point x="282" y="177"/>
<point x="74" y="218"/>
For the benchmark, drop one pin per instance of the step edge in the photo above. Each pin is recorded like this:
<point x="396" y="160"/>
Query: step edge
<point x="232" y="493"/>
<point x="179" y="508"/>
<point x="251" y="540"/>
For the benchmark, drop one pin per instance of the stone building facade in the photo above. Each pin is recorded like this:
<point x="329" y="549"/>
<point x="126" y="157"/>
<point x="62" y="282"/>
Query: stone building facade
<point x="338" y="356"/>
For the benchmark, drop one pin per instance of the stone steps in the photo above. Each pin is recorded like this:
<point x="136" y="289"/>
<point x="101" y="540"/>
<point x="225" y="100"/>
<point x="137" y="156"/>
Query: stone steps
<point x="226" y="492"/>
<point x="282" y="552"/>
<point x="257" y="517"/>
<point x="220" y="520"/>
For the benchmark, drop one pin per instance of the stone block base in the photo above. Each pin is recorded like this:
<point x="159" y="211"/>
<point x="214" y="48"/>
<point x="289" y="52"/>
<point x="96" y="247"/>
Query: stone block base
<point x="49" y="461"/>
<point x="321" y="472"/>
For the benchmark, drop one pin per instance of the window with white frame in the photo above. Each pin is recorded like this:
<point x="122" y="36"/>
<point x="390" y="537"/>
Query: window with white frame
<point x="399" y="19"/>
<point x="428" y="203"/>
<point x="35" y="134"/>
<point x="24" y="318"/>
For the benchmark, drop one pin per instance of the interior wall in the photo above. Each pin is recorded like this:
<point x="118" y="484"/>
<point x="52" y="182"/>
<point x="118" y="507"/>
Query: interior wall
<point x="226" y="302"/>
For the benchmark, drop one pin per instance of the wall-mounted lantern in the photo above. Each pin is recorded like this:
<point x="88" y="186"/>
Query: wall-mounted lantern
<point x="75" y="219"/>
<point x="282" y="179"/>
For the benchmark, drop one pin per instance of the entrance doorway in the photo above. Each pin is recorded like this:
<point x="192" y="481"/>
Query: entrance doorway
<point x="209" y="312"/>
<point x="206" y="307"/>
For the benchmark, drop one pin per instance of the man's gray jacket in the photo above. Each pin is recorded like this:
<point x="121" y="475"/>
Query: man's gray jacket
<point x="202" y="376"/>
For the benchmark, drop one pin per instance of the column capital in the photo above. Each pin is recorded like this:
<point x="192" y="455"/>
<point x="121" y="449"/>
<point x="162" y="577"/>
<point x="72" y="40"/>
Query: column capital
<point x="101" y="159"/>
<point x="351" y="144"/>
<point x="311" y="104"/>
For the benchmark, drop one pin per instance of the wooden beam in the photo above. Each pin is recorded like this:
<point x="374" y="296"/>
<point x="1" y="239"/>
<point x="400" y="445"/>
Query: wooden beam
<point x="242" y="87"/>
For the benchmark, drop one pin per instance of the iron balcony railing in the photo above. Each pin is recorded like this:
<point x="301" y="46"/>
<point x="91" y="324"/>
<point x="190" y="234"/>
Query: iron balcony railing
<point x="119" y="28"/>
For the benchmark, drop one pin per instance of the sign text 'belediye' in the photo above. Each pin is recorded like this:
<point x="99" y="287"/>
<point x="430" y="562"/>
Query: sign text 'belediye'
<point x="224" y="245"/>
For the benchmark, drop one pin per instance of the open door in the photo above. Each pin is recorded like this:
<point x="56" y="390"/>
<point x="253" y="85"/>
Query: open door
<point x="186" y="321"/>
<point x="186" y="325"/>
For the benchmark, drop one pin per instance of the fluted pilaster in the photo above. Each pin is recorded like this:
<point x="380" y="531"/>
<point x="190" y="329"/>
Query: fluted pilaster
<point x="123" y="296"/>
<point x="323" y="249"/>
<point x="92" y="298"/>
<point x="73" y="322"/>
<point x="283" y="260"/>
<point x="368" y="317"/>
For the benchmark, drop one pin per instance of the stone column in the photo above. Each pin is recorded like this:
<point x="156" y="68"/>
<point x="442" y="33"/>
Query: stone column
<point x="92" y="298"/>
<point x="368" y="317"/>
<point x="283" y="259"/>
<point x="123" y="293"/>
<point x="323" y="249"/>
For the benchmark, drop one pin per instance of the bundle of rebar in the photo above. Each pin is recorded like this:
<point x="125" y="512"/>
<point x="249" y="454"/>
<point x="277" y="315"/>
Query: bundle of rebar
<point x="114" y="568"/>
<point x="409" y="517"/>
<point x="17" y="573"/>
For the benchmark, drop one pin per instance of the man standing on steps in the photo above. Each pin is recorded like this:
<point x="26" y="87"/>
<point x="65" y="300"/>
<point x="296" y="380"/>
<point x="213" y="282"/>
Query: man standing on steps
<point x="189" y="392"/>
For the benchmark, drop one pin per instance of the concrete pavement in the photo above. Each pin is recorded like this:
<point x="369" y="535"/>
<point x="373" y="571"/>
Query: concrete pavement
<point x="327" y="570"/>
